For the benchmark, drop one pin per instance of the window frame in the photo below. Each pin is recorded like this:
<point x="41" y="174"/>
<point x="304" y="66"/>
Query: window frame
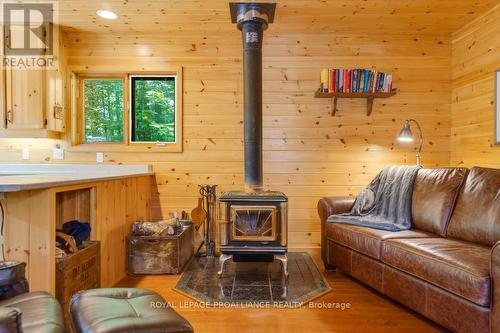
<point x="132" y="114"/>
<point x="77" y="120"/>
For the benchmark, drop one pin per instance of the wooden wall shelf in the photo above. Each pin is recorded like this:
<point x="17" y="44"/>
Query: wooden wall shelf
<point x="369" y="98"/>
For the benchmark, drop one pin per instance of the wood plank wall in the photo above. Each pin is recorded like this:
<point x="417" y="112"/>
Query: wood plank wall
<point x="475" y="58"/>
<point x="308" y="154"/>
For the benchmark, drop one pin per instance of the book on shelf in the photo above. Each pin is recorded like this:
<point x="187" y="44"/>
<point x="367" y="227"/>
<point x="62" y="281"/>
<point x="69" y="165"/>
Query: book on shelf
<point x="343" y="80"/>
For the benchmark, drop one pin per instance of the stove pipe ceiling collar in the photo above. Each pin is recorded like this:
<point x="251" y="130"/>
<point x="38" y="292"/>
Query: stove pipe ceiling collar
<point x="252" y="19"/>
<point x="252" y="11"/>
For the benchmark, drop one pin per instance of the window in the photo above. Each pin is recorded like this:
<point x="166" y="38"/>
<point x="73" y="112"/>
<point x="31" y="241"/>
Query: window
<point x="125" y="112"/>
<point x="103" y="110"/>
<point x="152" y="109"/>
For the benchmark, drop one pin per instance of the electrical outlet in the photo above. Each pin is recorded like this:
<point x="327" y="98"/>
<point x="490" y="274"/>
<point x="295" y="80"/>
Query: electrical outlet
<point x="58" y="154"/>
<point x="26" y="153"/>
<point x="99" y="157"/>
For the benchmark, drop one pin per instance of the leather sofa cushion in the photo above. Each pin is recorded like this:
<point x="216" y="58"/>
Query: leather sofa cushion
<point x="113" y="310"/>
<point x="366" y="240"/>
<point x="434" y="195"/>
<point x="449" y="310"/>
<point x="476" y="217"/>
<point x="459" y="267"/>
<point x="40" y="312"/>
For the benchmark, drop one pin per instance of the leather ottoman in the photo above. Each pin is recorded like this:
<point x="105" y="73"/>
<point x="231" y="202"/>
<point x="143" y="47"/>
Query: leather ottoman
<point x="122" y="310"/>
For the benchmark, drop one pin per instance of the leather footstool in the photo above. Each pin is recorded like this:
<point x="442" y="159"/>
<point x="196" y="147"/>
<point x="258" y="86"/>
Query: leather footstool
<point x="122" y="310"/>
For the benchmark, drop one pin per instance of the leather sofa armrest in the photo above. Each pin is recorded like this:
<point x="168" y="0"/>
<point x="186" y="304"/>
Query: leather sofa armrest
<point x="10" y="320"/>
<point x="495" y="290"/>
<point x="328" y="206"/>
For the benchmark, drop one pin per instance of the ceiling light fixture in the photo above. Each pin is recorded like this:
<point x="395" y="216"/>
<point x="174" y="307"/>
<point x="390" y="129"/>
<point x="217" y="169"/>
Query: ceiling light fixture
<point x="107" y="14"/>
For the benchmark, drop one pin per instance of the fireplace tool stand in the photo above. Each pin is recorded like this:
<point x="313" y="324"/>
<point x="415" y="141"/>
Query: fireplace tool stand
<point x="208" y="192"/>
<point x="281" y="257"/>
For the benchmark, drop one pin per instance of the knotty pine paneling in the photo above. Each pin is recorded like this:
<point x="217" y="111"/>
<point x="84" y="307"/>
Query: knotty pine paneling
<point x="187" y="17"/>
<point x="475" y="58"/>
<point x="307" y="153"/>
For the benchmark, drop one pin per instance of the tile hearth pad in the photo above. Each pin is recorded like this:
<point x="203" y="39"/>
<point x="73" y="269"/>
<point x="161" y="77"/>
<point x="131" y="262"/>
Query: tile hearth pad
<point x="249" y="282"/>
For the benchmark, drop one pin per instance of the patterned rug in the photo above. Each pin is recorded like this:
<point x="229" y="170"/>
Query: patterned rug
<point x="251" y="282"/>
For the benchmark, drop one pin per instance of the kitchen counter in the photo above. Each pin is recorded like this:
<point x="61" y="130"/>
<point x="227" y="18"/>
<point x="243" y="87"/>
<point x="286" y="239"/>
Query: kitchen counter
<point x="22" y="177"/>
<point x="38" y="199"/>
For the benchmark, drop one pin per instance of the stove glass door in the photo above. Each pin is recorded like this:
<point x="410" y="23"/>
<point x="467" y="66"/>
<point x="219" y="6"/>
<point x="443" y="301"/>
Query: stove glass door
<point x="253" y="223"/>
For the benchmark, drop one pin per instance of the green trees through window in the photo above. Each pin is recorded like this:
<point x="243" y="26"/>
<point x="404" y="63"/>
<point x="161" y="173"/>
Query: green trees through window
<point x="152" y="113"/>
<point x="153" y="109"/>
<point x="103" y="110"/>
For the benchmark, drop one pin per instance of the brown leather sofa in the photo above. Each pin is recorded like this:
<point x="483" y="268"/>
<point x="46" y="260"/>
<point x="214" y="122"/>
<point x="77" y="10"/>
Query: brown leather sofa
<point x="447" y="267"/>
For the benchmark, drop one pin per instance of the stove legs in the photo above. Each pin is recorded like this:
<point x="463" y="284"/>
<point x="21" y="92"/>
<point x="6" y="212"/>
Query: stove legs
<point x="222" y="260"/>
<point x="281" y="257"/>
<point x="284" y="262"/>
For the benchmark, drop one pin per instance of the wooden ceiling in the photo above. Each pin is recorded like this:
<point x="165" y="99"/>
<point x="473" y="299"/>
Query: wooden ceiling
<point x="178" y="17"/>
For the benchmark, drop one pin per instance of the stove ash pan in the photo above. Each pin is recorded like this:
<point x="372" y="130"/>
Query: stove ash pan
<point x="253" y="223"/>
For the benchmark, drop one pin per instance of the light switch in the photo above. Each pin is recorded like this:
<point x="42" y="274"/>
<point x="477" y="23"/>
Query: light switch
<point x="26" y="153"/>
<point x="99" y="157"/>
<point x="58" y="154"/>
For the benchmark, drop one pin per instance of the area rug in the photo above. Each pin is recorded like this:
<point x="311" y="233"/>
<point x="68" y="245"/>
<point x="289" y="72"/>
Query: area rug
<point x="251" y="282"/>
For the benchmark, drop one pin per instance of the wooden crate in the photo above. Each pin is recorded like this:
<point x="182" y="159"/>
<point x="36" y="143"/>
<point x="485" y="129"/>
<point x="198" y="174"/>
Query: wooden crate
<point x="79" y="271"/>
<point x="159" y="255"/>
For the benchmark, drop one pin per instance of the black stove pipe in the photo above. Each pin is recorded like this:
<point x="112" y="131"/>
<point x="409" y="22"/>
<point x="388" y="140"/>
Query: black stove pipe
<point x="252" y="19"/>
<point x="252" y="94"/>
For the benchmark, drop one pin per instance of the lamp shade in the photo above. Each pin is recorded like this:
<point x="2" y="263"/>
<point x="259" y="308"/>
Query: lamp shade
<point x="405" y="135"/>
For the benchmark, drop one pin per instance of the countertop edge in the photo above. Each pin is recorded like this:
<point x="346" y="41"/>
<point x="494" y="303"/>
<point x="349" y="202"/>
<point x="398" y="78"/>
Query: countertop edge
<point x="61" y="183"/>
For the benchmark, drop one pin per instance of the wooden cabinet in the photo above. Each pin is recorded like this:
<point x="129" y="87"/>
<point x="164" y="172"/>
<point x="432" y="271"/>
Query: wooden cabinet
<point x="32" y="101"/>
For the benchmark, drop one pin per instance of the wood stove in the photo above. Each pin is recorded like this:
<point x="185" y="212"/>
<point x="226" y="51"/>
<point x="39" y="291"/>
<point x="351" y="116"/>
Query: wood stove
<point x="253" y="226"/>
<point x="253" y="222"/>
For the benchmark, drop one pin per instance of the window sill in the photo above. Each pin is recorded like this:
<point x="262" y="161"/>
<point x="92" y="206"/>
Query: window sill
<point x="124" y="148"/>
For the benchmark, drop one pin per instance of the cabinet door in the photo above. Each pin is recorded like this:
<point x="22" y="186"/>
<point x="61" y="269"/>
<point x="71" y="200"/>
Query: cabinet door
<point x="25" y="91"/>
<point x="25" y="99"/>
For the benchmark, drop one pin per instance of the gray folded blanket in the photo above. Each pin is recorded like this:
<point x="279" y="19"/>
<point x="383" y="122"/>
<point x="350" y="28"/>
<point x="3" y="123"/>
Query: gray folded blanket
<point x="385" y="203"/>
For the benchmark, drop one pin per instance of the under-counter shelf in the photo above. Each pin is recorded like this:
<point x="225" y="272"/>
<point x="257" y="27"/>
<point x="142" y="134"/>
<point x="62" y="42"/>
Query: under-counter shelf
<point x="78" y="204"/>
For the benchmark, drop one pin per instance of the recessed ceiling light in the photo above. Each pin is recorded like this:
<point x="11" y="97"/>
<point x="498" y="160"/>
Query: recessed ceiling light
<point x="107" y="14"/>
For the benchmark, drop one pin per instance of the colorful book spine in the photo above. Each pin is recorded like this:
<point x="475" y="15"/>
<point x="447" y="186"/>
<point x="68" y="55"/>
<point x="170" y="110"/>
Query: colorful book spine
<point x="389" y="83"/>
<point x="344" y="74"/>
<point x="324" y="81"/>
<point x="367" y="80"/>
<point x="374" y="79"/>
<point x="364" y="74"/>
<point x="337" y="80"/>
<point x="381" y="82"/>
<point x="349" y="80"/>
<point x="341" y="80"/>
